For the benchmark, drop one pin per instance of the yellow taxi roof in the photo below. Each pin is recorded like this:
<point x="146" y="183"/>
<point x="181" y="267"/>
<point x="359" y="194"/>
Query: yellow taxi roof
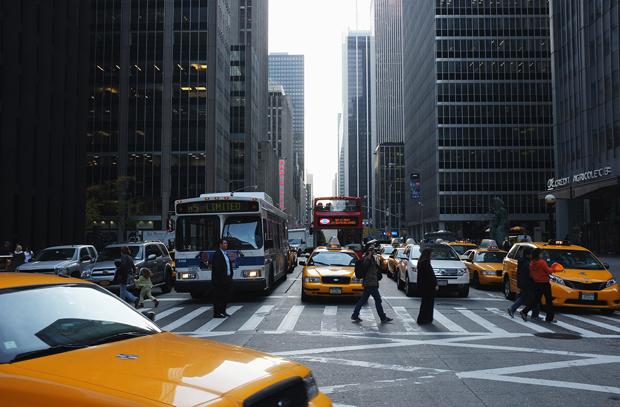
<point x="12" y="280"/>
<point x="462" y="243"/>
<point x="487" y="250"/>
<point x="334" y="249"/>
<point x="545" y="245"/>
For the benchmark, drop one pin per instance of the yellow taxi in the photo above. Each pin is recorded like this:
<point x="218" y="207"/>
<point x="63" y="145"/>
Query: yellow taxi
<point x="394" y="260"/>
<point x="485" y="266"/>
<point x="67" y="342"/>
<point x="330" y="272"/>
<point x="581" y="281"/>
<point x="461" y="246"/>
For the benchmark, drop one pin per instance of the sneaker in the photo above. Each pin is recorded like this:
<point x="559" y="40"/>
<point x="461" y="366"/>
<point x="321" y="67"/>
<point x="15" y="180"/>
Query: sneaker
<point x="523" y="315"/>
<point x="511" y="312"/>
<point x="386" y="320"/>
<point x="356" y="318"/>
<point x="156" y="301"/>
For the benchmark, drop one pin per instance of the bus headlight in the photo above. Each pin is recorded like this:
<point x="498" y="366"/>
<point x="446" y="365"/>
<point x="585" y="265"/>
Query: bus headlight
<point x="312" y="280"/>
<point x="187" y="275"/>
<point x="251" y="273"/>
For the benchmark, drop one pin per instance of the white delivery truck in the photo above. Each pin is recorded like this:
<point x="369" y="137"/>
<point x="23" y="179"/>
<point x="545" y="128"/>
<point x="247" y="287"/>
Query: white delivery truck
<point x="299" y="239"/>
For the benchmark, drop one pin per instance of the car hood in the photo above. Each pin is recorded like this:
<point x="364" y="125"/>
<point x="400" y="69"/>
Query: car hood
<point x="168" y="368"/>
<point x="108" y="264"/>
<point x="40" y="265"/>
<point x="585" y="276"/>
<point x="331" y="271"/>
<point x="447" y="264"/>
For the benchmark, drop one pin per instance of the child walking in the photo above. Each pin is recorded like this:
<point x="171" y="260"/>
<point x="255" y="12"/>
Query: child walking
<point x="145" y="285"/>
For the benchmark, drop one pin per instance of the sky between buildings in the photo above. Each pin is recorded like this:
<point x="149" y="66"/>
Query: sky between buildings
<point x="316" y="28"/>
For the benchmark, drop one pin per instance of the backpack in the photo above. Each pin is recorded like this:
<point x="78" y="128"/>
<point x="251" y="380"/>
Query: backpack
<point x="360" y="273"/>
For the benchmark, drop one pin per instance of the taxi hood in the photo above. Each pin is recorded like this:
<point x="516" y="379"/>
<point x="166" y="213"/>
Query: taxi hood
<point x="168" y="368"/>
<point x="331" y="271"/>
<point x="585" y="276"/>
<point x="490" y="266"/>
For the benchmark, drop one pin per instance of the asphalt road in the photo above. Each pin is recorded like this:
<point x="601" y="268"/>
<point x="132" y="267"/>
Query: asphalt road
<point x="473" y="355"/>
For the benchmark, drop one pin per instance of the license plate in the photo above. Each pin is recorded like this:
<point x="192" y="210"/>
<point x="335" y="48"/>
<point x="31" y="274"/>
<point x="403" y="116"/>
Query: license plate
<point x="442" y="283"/>
<point x="104" y="283"/>
<point x="335" y="290"/>
<point x="587" y="297"/>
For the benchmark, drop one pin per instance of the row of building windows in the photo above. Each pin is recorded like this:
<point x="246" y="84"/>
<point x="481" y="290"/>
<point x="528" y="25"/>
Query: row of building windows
<point x="495" y="136"/>
<point x="491" y="7"/>
<point x="496" y="70"/>
<point x="493" y="48"/>
<point x="495" y="159"/>
<point x="488" y="181"/>
<point x="500" y="92"/>
<point x="527" y="26"/>
<point x="493" y="114"/>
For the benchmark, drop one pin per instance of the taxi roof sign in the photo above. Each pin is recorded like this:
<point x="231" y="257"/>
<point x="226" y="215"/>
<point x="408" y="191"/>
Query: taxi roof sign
<point x="333" y="243"/>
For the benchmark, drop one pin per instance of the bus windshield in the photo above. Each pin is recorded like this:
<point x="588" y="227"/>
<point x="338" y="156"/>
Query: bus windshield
<point x="196" y="233"/>
<point x="243" y="232"/>
<point x="337" y="205"/>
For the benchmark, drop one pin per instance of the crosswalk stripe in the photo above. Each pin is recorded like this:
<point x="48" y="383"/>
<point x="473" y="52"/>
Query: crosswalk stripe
<point x="215" y="322"/>
<point x="185" y="318"/>
<point x="517" y="320"/>
<point x="443" y="320"/>
<point x="369" y="318"/>
<point x="573" y="328"/>
<point x="255" y="320"/>
<point x="616" y="320"/>
<point x="406" y="319"/>
<point x="167" y="312"/>
<point x="289" y="321"/>
<point x="488" y="325"/>
<point x="328" y="323"/>
<point x="594" y="322"/>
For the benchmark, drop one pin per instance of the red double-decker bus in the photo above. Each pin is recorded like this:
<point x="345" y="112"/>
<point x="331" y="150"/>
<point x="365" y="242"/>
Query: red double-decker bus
<point x="340" y="217"/>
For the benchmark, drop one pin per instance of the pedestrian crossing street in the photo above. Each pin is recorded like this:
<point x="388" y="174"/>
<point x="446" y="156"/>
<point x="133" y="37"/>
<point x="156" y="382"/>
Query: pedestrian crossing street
<point x="197" y="320"/>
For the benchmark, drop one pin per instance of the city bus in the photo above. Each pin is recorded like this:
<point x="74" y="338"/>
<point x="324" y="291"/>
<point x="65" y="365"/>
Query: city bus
<point x="340" y="217"/>
<point x="256" y="232"/>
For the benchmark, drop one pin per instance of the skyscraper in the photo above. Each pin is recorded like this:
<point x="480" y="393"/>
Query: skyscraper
<point x="160" y="100"/>
<point x="359" y="141"/>
<point x="478" y="120"/>
<point x="44" y="47"/>
<point x="249" y="87"/>
<point x="288" y="71"/>
<point x="341" y="170"/>
<point x="586" y="63"/>
<point x="388" y="156"/>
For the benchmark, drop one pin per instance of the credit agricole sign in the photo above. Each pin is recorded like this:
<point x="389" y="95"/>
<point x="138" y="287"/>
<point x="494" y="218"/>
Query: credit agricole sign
<point x="555" y="183"/>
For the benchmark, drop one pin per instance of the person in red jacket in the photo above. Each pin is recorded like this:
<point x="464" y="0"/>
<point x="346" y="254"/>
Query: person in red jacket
<point x="540" y="272"/>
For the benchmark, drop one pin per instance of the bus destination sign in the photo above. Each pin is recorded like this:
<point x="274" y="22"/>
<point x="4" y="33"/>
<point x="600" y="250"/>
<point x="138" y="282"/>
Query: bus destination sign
<point x="336" y="221"/>
<point x="216" y="207"/>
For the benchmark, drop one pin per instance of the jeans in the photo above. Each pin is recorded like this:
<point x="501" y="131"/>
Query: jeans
<point x="126" y="295"/>
<point x="523" y="299"/>
<point x="368" y="291"/>
<point x="543" y="289"/>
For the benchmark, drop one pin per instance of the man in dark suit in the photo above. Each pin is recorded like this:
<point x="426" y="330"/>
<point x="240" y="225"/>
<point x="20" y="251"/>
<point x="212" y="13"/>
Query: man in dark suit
<point x="221" y="277"/>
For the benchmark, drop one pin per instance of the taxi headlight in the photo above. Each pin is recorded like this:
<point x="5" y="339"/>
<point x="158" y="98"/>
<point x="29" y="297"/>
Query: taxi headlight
<point x="251" y="273"/>
<point x="488" y="273"/>
<point x="609" y="283"/>
<point x="312" y="389"/>
<point x="313" y="280"/>
<point x="556" y="279"/>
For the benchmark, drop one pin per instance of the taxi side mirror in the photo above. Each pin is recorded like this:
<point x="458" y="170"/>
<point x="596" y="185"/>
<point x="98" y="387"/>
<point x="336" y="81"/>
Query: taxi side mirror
<point x="557" y="268"/>
<point x="606" y="265"/>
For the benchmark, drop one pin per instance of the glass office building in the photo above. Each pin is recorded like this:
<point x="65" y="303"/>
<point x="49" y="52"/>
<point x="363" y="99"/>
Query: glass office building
<point x="586" y="69"/>
<point x="160" y="100"/>
<point x="478" y="118"/>
<point x="358" y="95"/>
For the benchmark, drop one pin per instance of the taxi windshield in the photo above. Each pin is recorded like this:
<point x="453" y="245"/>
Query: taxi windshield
<point x="332" y="259"/>
<point x="62" y="318"/>
<point x="572" y="259"/>
<point x="490" y="257"/>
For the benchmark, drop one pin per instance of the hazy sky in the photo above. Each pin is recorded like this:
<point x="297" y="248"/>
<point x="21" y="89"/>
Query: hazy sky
<point x="316" y="28"/>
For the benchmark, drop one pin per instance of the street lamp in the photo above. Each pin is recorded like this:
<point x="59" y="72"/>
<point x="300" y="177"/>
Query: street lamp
<point x="550" y="201"/>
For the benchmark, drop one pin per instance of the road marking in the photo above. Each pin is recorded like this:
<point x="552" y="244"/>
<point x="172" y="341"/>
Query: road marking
<point x="167" y="312"/>
<point x="549" y="383"/>
<point x="185" y="319"/>
<point x="570" y="327"/>
<point x="329" y="322"/>
<point x="539" y="367"/>
<point x="406" y="319"/>
<point x="215" y="322"/>
<point x="258" y="317"/>
<point x="491" y="327"/>
<point x="314" y="351"/>
<point x="372" y="365"/>
<point x="289" y="321"/>
<point x="368" y="318"/>
<point x="443" y="320"/>
<point x="610" y="318"/>
<point x="594" y="322"/>
<point x="519" y="321"/>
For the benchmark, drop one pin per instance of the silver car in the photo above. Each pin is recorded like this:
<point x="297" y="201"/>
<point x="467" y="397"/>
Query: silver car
<point x="68" y="261"/>
<point x="152" y="255"/>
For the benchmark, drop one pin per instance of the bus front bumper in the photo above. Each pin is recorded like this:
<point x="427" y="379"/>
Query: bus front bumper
<point x="201" y="286"/>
